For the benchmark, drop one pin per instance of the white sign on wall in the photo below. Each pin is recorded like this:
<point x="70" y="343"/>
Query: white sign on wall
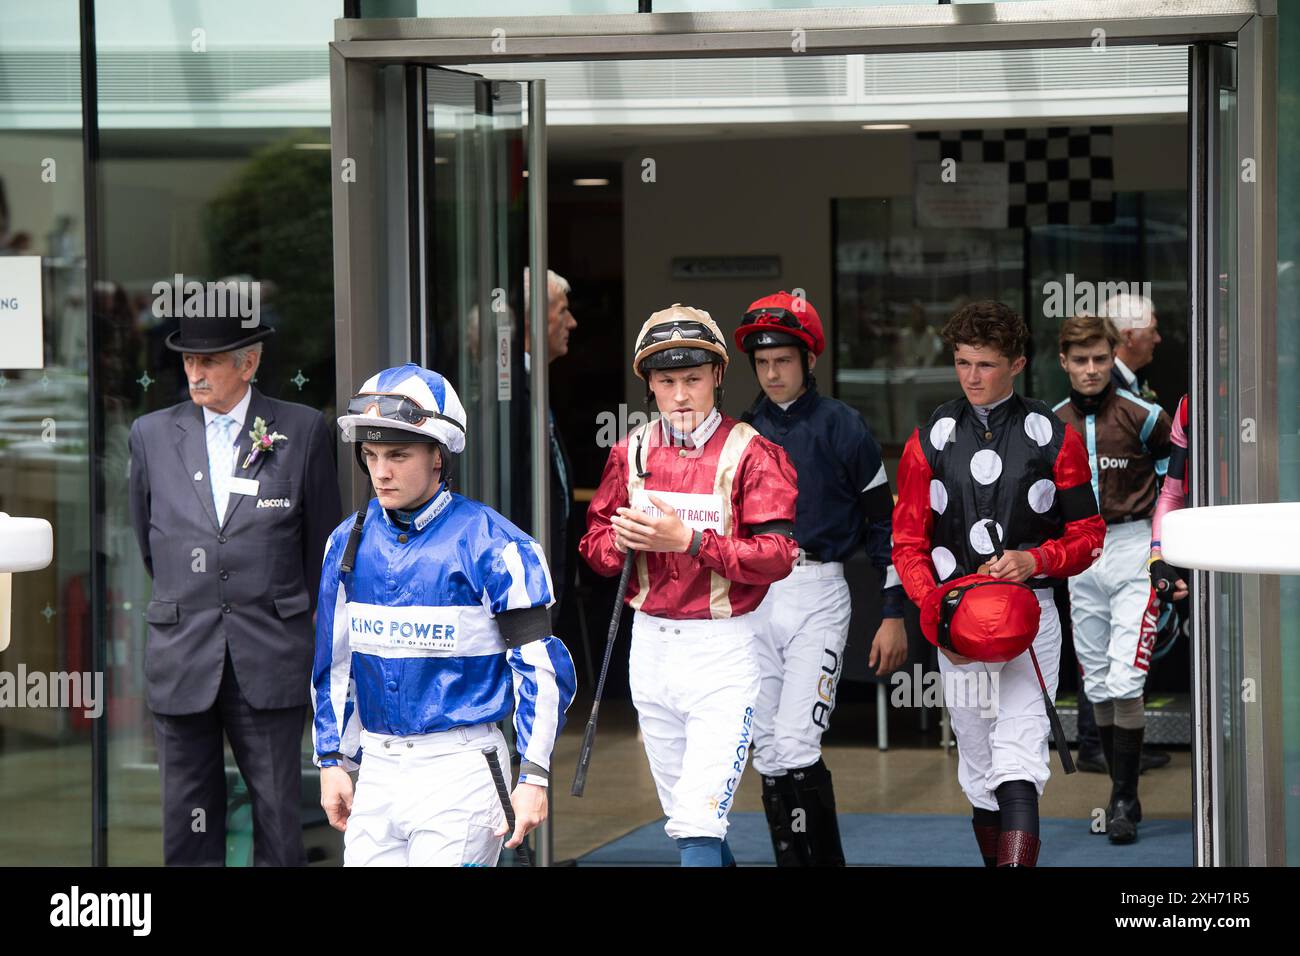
<point x="21" y="341"/>
<point x="975" y="199"/>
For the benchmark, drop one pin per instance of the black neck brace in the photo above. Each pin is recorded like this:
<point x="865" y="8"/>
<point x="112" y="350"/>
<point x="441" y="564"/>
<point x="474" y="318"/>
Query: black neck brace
<point x="1089" y="404"/>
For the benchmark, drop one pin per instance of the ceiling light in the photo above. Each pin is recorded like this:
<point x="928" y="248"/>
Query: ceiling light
<point x="591" y="182"/>
<point x="880" y="126"/>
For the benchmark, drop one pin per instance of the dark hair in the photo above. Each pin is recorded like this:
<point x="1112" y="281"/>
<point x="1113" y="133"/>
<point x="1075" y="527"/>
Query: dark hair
<point x="987" y="323"/>
<point x="1085" y="329"/>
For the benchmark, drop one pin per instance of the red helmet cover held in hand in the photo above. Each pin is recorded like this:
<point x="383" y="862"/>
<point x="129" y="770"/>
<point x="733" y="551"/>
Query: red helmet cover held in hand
<point x="994" y="620"/>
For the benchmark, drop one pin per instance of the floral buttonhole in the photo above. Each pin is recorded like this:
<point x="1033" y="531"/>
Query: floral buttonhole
<point x="263" y="441"/>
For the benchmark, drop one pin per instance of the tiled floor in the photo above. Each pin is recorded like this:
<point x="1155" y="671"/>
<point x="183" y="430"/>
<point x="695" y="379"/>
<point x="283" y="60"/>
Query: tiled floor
<point x="46" y="793"/>
<point x="917" y="778"/>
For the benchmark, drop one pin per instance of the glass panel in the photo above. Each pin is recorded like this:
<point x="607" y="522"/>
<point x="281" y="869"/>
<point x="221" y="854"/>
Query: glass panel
<point x="1146" y="243"/>
<point x="477" y="214"/>
<point x="1224" y="485"/>
<point x="1288" y="396"/>
<point x="45" y="754"/>
<point x="215" y="165"/>
<point x="896" y="284"/>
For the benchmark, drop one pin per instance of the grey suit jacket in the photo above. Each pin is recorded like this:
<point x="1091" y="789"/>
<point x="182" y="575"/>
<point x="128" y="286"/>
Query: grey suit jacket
<point x="249" y="584"/>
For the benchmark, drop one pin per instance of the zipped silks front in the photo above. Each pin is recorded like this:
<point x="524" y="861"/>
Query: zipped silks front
<point x="408" y="642"/>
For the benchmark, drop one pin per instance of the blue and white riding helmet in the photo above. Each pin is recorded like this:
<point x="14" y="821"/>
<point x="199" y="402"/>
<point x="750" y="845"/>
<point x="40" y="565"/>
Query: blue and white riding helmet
<point x="405" y="404"/>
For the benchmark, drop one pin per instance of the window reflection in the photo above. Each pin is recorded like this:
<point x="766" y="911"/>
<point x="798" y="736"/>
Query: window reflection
<point x="44" y="463"/>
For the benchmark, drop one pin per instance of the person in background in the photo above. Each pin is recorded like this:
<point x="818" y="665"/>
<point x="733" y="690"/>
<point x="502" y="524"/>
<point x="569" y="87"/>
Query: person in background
<point x="1114" y="608"/>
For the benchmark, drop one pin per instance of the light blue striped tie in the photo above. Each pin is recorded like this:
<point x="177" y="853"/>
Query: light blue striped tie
<point x="221" y="461"/>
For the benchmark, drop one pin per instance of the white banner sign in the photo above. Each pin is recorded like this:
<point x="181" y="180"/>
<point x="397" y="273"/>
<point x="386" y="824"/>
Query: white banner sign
<point x="697" y="512"/>
<point x="21" y="313"/>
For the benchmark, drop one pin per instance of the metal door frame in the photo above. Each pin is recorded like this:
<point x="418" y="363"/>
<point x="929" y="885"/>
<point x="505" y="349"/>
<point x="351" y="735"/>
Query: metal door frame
<point x="362" y="47"/>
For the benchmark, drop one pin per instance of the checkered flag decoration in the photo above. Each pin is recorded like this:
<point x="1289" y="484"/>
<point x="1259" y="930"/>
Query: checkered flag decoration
<point x="1057" y="175"/>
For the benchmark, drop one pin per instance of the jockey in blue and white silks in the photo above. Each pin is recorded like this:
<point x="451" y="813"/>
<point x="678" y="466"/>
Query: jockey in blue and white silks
<point x="433" y="624"/>
<point x="414" y="628"/>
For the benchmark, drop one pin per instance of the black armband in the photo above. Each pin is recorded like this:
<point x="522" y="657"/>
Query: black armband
<point x="878" y="502"/>
<point x="1177" y="463"/>
<point x="525" y="625"/>
<point x="785" y="528"/>
<point x="1078" y="502"/>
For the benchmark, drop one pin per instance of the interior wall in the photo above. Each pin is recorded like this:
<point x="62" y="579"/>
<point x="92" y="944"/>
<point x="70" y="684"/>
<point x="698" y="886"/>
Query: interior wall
<point x="773" y="197"/>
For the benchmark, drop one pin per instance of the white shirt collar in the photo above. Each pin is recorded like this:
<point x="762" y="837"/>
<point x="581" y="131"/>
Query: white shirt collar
<point x="238" y="413"/>
<point x="702" y="433"/>
<point x="1128" y="374"/>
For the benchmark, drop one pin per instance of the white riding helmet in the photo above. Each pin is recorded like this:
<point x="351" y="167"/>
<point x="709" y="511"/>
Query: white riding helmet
<point x="404" y="404"/>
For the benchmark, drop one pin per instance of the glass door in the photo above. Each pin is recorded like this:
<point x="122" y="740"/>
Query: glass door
<point x="476" y="216"/>
<point x="475" y="250"/>
<point x="1228" y="608"/>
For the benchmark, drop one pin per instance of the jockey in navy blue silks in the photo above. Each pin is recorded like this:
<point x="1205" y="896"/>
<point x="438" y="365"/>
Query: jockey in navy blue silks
<point x="844" y="505"/>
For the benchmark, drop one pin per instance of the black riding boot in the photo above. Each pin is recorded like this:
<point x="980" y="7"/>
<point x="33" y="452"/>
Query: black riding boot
<point x="987" y="824"/>
<point x="815" y="794"/>
<point x="779" y="803"/>
<point x="1107" y="735"/>
<point x="1126" y="811"/>
<point x="1018" y="841"/>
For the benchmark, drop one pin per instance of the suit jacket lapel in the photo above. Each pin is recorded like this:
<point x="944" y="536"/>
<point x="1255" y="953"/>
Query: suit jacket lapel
<point x="258" y="407"/>
<point x="193" y="448"/>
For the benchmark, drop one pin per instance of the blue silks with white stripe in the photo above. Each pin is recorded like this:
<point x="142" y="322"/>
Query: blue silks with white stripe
<point x="408" y="642"/>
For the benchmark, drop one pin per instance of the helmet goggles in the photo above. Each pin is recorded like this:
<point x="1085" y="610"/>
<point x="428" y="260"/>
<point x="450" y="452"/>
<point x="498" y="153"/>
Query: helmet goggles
<point x="773" y="316"/>
<point x="681" y="329"/>
<point x="397" y="407"/>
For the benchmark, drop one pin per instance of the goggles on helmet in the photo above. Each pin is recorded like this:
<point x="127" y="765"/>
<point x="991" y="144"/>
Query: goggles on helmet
<point x="399" y="407"/>
<point x="772" y="316"/>
<point x="686" y="330"/>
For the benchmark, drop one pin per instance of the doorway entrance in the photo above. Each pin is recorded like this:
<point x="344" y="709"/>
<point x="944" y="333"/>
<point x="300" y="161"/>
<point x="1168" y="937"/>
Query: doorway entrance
<point x="425" y="250"/>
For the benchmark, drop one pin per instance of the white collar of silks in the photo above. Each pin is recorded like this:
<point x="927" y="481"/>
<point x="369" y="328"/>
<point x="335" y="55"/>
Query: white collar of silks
<point x="702" y="433"/>
<point x="436" y="506"/>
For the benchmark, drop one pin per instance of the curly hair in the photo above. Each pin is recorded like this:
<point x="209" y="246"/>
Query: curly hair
<point x="987" y="323"/>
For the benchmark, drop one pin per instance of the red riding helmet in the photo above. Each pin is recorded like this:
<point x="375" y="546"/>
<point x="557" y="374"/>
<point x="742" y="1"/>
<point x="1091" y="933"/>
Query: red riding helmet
<point x="984" y="618"/>
<point x="781" y="319"/>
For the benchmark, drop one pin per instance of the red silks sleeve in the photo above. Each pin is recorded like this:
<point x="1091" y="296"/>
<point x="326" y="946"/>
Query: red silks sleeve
<point x="597" y="545"/>
<point x="913" y="522"/>
<point x="1076" y="550"/>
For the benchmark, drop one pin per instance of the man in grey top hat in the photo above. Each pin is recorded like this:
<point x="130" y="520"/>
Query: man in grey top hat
<point x="233" y="496"/>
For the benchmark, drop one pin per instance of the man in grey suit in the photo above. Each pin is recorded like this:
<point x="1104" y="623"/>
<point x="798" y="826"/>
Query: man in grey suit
<point x="234" y="547"/>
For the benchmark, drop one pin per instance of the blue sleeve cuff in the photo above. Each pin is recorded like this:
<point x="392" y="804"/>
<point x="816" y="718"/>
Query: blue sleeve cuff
<point x="891" y="601"/>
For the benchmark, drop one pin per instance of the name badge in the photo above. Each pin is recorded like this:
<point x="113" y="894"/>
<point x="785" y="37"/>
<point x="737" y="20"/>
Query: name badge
<point x="697" y="512"/>
<point x="403" y="631"/>
<point x="243" y="486"/>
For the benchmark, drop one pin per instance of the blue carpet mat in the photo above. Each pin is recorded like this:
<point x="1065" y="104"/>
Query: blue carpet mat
<point x="916" y="840"/>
